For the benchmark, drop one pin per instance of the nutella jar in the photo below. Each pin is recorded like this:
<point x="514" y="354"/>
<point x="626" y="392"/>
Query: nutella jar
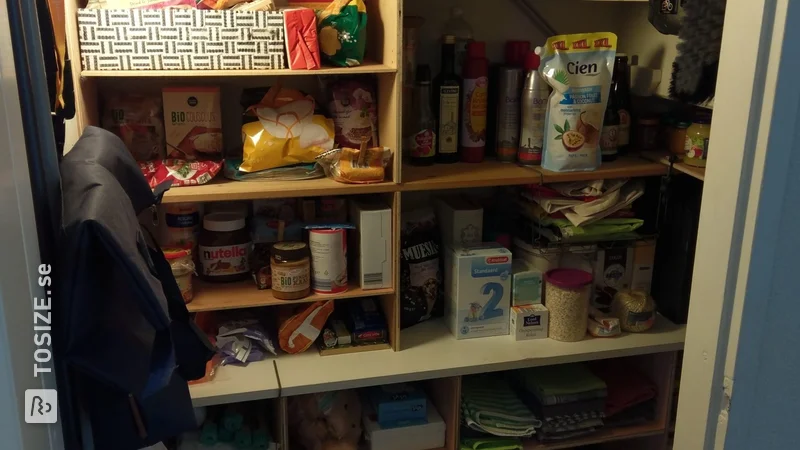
<point x="224" y="248"/>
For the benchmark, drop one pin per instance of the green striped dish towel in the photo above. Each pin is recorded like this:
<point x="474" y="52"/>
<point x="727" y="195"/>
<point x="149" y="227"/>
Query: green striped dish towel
<point x="488" y="404"/>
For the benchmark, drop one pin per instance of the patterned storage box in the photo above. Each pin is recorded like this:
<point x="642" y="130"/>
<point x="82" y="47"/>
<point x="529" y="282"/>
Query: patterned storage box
<point x="181" y="39"/>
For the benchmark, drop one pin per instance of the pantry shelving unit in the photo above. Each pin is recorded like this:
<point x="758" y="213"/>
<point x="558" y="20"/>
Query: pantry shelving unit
<point x="426" y="352"/>
<point x="665" y="159"/>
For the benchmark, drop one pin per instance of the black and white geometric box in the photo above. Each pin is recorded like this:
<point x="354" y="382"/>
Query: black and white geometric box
<point x="181" y="39"/>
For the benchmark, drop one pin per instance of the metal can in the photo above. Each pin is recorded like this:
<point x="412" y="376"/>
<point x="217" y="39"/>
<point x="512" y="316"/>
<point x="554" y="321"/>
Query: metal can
<point x="508" y="111"/>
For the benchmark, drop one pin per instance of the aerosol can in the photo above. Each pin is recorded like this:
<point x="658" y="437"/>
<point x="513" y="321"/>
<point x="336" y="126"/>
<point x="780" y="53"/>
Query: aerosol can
<point x="533" y="104"/>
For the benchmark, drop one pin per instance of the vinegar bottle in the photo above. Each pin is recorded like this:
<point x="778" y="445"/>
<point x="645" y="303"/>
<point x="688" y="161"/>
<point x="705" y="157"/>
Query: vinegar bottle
<point x="474" y="99"/>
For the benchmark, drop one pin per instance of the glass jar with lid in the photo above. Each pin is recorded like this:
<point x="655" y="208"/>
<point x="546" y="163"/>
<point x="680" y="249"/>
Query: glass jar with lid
<point x="291" y="270"/>
<point x="677" y="137"/>
<point x="696" y="142"/>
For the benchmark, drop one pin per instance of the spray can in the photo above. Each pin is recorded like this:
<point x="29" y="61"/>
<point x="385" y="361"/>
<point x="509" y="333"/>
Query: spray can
<point x="533" y="104"/>
<point x="507" y="139"/>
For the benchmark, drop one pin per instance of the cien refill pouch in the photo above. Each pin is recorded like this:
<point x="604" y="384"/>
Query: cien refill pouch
<point x="579" y="68"/>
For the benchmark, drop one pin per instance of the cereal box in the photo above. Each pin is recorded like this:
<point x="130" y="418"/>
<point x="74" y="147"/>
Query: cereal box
<point x="477" y="290"/>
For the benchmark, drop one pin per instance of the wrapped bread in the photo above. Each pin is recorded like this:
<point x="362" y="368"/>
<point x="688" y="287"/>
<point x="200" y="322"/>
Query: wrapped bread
<point x="298" y="332"/>
<point x="348" y="165"/>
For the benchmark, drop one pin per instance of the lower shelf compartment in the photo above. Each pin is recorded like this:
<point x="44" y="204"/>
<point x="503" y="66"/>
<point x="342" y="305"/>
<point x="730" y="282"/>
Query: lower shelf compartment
<point x="599" y="437"/>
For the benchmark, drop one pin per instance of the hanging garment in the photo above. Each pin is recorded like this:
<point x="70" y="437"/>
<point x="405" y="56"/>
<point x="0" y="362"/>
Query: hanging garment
<point x="694" y="72"/>
<point x="128" y="341"/>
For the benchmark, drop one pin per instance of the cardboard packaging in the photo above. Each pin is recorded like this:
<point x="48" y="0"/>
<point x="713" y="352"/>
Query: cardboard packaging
<point x="526" y="284"/>
<point x="398" y="405"/>
<point x="416" y="437"/>
<point x="612" y="272"/>
<point x="181" y="39"/>
<point x="477" y="290"/>
<point x="372" y="241"/>
<point x="644" y="255"/>
<point x="529" y="322"/>
<point x="460" y="221"/>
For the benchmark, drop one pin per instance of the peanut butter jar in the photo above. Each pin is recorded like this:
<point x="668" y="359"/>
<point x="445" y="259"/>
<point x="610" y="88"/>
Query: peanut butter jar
<point x="291" y="270"/>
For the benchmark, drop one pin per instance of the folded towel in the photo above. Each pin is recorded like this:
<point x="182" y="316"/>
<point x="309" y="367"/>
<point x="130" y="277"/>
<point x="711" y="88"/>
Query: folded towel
<point x="626" y="385"/>
<point x="491" y="443"/>
<point x="563" y="383"/>
<point x="490" y="405"/>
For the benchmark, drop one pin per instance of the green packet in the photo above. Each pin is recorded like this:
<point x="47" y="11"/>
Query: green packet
<point x="343" y="32"/>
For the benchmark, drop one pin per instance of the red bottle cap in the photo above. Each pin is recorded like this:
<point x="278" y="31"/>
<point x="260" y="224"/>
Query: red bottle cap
<point x="476" y="49"/>
<point x="516" y="52"/>
<point x="532" y="61"/>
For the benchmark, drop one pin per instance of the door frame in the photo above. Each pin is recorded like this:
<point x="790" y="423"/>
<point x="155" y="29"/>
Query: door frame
<point x="738" y="237"/>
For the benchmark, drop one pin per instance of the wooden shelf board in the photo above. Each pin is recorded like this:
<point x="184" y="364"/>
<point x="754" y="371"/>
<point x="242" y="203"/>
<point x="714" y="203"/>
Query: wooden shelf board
<point x="663" y="158"/>
<point x="493" y="173"/>
<point x="601" y="436"/>
<point x="366" y="67"/>
<point x="233" y="384"/>
<point x="243" y="294"/>
<point x="430" y="351"/>
<point x="221" y="189"/>
<point x="354" y="349"/>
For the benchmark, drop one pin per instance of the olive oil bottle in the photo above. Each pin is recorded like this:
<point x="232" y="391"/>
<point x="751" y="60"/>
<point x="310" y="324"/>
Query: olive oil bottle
<point x="445" y="104"/>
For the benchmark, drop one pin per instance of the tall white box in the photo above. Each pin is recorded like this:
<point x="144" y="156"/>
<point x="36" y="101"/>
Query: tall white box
<point x="477" y="290"/>
<point x="460" y="221"/>
<point x="372" y="242"/>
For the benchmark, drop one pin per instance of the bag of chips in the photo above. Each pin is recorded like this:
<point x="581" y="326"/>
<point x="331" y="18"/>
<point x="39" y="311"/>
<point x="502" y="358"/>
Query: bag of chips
<point x="343" y="32"/>
<point x="287" y="131"/>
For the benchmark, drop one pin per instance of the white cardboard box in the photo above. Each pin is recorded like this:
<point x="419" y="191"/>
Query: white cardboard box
<point x="526" y="285"/>
<point x="477" y="290"/>
<point x="372" y="241"/>
<point x="529" y="322"/>
<point x="417" y="437"/>
<point x="181" y="39"/>
<point x="460" y="221"/>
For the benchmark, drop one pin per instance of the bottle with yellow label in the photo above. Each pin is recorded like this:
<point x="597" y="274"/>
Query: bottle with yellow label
<point x="446" y="97"/>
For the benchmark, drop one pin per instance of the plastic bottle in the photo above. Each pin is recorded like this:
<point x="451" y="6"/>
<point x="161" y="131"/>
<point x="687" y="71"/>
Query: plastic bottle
<point x="423" y="138"/>
<point x="533" y="105"/>
<point x="474" y="103"/>
<point x="458" y="27"/>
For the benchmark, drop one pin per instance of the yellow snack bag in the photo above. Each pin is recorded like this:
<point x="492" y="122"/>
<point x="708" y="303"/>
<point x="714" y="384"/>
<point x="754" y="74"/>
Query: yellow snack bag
<point x="287" y="131"/>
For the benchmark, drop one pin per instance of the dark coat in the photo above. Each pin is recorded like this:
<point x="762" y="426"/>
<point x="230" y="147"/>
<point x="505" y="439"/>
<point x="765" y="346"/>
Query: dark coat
<point x="129" y="342"/>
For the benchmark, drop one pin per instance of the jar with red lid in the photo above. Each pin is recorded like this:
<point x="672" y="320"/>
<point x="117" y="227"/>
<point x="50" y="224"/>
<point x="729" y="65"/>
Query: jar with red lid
<point x="224" y="248"/>
<point x="567" y="293"/>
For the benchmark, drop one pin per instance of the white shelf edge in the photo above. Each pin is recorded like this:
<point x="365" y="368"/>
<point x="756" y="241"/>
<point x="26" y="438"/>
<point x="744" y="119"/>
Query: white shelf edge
<point x="233" y="384"/>
<point x="431" y="352"/>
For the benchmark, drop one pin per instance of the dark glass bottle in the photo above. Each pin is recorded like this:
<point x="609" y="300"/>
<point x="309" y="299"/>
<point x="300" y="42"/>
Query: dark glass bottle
<point x="609" y="136"/>
<point x="445" y="104"/>
<point x="422" y="141"/>
<point x="621" y="82"/>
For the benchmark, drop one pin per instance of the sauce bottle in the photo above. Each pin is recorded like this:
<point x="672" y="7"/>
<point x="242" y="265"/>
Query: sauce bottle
<point x="621" y="82"/>
<point x="609" y="136"/>
<point x="423" y="137"/>
<point x="446" y="109"/>
<point x="474" y="98"/>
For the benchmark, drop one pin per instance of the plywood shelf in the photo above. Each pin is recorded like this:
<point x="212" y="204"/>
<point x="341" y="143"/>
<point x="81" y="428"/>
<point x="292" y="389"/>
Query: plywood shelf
<point x="430" y="351"/>
<point x="221" y="189"/>
<point x="233" y="384"/>
<point x="664" y="158"/>
<point x="243" y="294"/>
<point x="601" y="436"/>
<point x="493" y="173"/>
<point x="366" y="68"/>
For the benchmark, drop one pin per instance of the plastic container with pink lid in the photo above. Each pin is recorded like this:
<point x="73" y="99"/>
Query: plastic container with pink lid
<point x="566" y="296"/>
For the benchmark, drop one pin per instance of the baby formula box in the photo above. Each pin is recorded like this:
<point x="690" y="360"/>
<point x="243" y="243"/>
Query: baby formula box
<point x="478" y="290"/>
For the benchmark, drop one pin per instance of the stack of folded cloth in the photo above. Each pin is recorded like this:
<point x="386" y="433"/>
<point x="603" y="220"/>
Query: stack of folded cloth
<point x="582" y="211"/>
<point x="569" y="399"/>
<point x="489" y="405"/>
<point x="631" y="395"/>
